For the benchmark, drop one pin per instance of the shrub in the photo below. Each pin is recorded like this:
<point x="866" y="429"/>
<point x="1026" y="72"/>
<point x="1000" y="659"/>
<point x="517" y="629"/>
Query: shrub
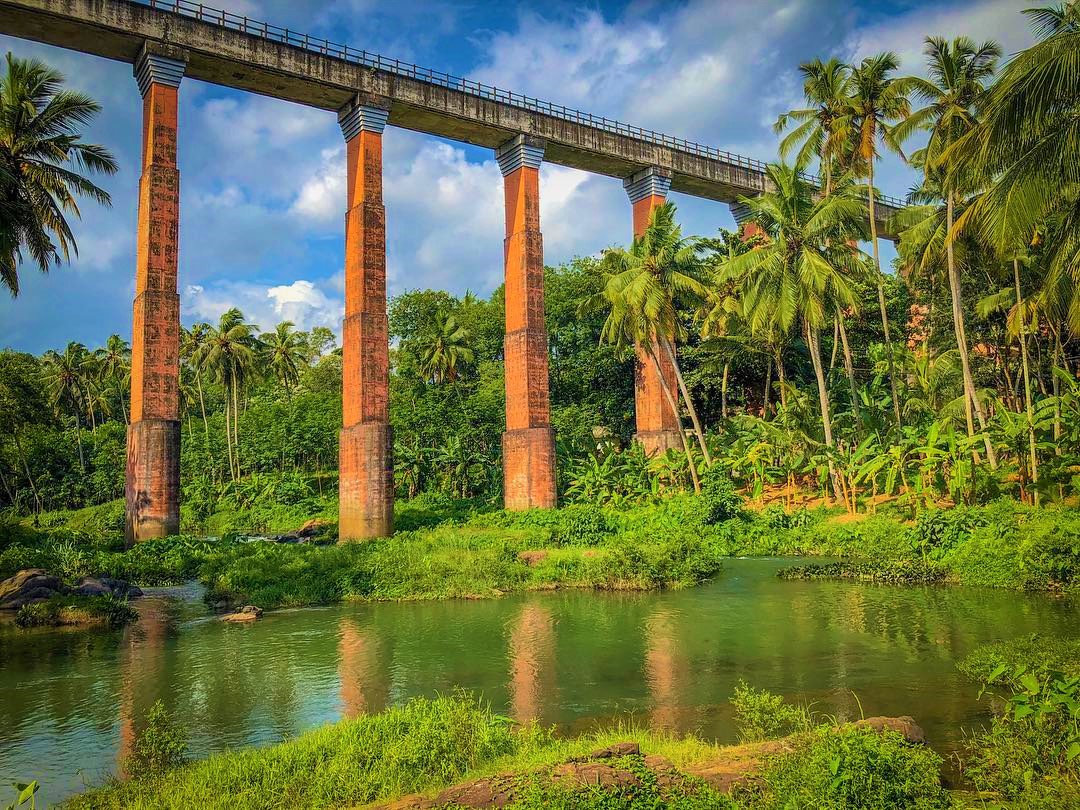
<point x="581" y="526"/>
<point x="721" y="498"/>
<point x="160" y="746"/>
<point x="1029" y="651"/>
<point x="761" y="715"/>
<point x="59" y="610"/>
<point x="851" y="767"/>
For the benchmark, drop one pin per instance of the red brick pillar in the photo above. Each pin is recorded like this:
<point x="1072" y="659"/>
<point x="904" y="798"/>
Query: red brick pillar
<point x="365" y="450"/>
<point x="657" y="424"/>
<point x="529" y="441"/>
<point x="152" y="488"/>
<point x="747" y="228"/>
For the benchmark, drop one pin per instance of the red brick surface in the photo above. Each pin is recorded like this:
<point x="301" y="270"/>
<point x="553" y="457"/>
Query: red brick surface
<point x="366" y="489"/>
<point x="529" y="441"/>
<point x="153" y="466"/>
<point x="657" y="425"/>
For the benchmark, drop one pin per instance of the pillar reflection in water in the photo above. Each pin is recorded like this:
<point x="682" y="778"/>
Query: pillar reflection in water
<point x="532" y="662"/>
<point x="663" y="669"/>
<point x="362" y="688"/>
<point x="142" y="658"/>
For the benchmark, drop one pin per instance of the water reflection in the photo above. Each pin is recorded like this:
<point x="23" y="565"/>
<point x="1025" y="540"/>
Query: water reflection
<point x="663" y="669"/>
<point x="72" y="704"/>
<point x="364" y="688"/>
<point x="532" y="662"/>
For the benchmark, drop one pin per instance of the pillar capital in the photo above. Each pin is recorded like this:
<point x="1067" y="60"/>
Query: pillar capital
<point x="520" y="151"/>
<point x="159" y="64"/>
<point x="651" y="181"/>
<point x="363" y="114"/>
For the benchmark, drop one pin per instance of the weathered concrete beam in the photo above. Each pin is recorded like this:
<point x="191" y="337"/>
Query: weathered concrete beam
<point x="117" y="29"/>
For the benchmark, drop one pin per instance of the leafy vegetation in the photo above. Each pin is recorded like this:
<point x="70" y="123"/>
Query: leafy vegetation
<point x="77" y="610"/>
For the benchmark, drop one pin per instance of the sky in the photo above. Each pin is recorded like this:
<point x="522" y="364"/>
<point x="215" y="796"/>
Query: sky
<point x="262" y="181"/>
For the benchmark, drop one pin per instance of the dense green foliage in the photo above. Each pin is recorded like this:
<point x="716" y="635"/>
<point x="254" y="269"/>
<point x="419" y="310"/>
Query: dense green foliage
<point x="76" y="610"/>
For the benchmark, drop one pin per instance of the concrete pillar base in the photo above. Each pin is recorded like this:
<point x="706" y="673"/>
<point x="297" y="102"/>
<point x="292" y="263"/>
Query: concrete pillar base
<point x="658" y="442"/>
<point x="529" y="468"/>
<point x="366" y="481"/>
<point x="152" y="489"/>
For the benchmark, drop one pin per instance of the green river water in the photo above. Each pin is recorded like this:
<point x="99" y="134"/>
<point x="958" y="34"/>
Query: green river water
<point x="69" y="700"/>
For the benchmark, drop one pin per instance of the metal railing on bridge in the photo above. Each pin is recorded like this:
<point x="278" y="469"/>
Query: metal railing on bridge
<point x="286" y="36"/>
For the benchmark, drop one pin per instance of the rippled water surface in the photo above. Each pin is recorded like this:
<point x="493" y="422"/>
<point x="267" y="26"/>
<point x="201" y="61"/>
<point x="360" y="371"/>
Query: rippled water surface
<point x="69" y="701"/>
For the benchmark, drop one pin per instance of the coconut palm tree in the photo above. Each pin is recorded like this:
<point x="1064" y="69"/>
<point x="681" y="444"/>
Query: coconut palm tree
<point x="958" y="73"/>
<point x="285" y="350"/>
<point x="878" y="102"/>
<point x="815" y="132"/>
<point x="645" y="288"/>
<point x="41" y="154"/>
<point x="114" y="363"/>
<point x="443" y="352"/>
<point x="193" y="348"/>
<point x="230" y="356"/>
<point x="1025" y="146"/>
<point x="806" y="270"/>
<point x="65" y="381"/>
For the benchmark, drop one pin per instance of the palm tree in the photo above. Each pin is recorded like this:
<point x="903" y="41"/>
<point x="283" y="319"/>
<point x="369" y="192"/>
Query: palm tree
<point x="114" y="363"/>
<point x="878" y="102"/>
<point x="230" y="356"/>
<point x="444" y="351"/>
<point x="285" y="350"/>
<point x="64" y="379"/>
<point x="39" y="125"/>
<point x="958" y="73"/>
<point x="1025" y="146"/>
<point x="807" y="268"/>
<point x="825" y="86"/>
<point x="645" y="287"/>
<point x="194" y="344"/>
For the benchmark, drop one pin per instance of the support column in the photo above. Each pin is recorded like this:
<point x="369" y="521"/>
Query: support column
<point x="747" y="228"/>
<point x="365" y="449"/>
<point x="152" y="487"/>
<point x="657" y="425"/>
<point x="529" y="441"/>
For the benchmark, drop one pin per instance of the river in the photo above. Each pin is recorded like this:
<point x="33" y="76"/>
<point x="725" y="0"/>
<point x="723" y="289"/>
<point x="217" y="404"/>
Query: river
<point x="70" y="701"/>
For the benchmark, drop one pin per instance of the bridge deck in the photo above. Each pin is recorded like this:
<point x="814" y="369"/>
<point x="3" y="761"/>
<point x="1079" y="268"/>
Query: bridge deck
<point x="234" y="51"/>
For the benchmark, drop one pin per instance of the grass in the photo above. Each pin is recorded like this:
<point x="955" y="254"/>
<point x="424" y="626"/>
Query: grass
<point x="61" y="611"/>
<point x="426" y="745"/>
<point x="462" y="549"/>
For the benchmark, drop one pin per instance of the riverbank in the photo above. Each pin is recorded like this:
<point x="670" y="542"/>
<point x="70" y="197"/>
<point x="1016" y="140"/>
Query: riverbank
<point x="428" y="745"/>
<point x="461" y="549"/>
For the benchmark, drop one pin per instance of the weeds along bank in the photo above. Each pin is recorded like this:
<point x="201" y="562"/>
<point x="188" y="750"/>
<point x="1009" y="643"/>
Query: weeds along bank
<point x="451" y="549"/>
<point x="452" y="751"/>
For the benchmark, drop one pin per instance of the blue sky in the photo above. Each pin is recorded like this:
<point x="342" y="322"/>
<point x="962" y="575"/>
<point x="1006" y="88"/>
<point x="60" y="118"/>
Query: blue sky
<point x="263" y="181"/>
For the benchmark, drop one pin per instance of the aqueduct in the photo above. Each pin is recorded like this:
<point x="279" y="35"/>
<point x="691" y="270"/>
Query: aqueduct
<point x="167" y="40"/>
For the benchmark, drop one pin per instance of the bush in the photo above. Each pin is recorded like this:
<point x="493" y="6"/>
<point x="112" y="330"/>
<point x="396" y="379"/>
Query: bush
<point x="160" y="746"/>
<point x="720" y="496"/>
<point x="761" y="715"/>
<point x="581" y="526"/>
<point x="1055" y="653"/>
<point x="851" y="767"/>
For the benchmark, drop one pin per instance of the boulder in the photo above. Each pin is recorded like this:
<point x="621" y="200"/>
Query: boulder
<point x="248" y="613"/>
<point x="29" y="586"/>
<point x="107" y="586"/>
<point x="532" y="558"/>
<point x="905" y="726"/>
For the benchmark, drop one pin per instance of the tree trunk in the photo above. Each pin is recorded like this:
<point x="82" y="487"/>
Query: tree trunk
<point x="879" y="278"/>
<point x="849" y="370"/>
<point x="236" y="423"/>
<point x="723" y="391"/>
<point x="814" y="344"/>
<point x="670" y="397"/>
<point x="670" y="352"/>
<point x="1034" y="459"/>
<point x="961" y="340"/>
<point x="835" y="342"/>
<point x="780" y="377"/>
<point x="768" y="388"/>
<point x="26" y="469"/>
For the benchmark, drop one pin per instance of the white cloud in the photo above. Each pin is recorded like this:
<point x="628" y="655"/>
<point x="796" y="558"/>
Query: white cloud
<point x="306" y="303"/>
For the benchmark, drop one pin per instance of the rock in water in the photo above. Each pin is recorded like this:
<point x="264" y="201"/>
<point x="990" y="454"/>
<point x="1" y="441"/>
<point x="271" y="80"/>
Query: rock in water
<point x="29" y="586"/>
<point x="248" y="613"/>
<point x="107" y="586"/>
